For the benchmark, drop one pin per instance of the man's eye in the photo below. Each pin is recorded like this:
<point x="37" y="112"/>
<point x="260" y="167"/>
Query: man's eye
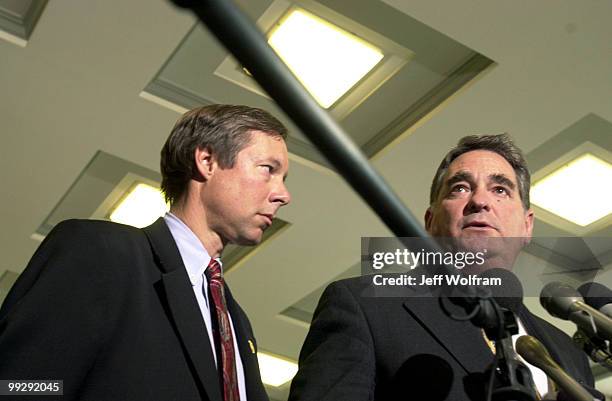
<point x="459" y="188"/>
<point x="501" y="190"/>
<point x="268" y="167"/>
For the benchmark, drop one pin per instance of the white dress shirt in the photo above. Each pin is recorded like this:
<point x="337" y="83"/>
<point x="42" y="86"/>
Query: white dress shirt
<point x="539" y="377"/>
<point x="196" y="260"/>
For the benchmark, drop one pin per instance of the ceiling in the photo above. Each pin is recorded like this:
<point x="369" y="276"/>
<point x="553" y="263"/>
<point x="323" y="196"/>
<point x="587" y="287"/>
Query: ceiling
<point x="75" y="89"/>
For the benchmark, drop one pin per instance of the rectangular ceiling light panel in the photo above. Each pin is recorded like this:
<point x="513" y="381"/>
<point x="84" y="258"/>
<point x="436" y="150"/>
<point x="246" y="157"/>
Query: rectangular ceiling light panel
<point x="328" y="60"/>
<point x="140" y="207"/>
<point x="275" y="371"/>
<point x="580" y="191"/>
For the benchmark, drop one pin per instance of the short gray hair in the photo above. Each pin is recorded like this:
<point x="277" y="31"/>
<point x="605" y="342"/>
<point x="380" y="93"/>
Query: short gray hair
<point x="501" y="144"/>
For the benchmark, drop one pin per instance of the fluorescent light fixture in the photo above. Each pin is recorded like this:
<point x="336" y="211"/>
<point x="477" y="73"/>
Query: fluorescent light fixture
<point x="579" y="192"/>
<point x="328" y="60"/>
<point x="275" y="371"/>
<point x="140" y="207"/>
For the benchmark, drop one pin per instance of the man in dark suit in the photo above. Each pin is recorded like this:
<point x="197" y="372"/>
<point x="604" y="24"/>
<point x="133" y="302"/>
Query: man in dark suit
<point x="120" y="313"/>
<point x="390" y="348"/>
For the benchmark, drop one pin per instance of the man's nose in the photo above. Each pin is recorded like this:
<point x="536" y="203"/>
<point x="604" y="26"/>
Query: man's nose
<point x="281" y="195"/>
<point x="479" y="200"/>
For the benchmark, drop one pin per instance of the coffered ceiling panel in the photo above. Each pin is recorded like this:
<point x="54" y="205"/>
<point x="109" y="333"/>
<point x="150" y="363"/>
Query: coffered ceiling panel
<point x="590" y="134"/>
<point x="18" y="19"/>
<point x="422" y="68"/>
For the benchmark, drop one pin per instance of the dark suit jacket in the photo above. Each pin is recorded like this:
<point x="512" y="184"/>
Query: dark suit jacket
<point x="363" y="348"/>
<point x="109" y="309"/>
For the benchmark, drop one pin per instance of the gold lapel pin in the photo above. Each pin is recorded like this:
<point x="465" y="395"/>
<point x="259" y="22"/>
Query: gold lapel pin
<point x="252" y="346"/>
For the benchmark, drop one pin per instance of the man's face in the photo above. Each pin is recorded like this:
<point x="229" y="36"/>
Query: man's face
<point x="242" y="201"/>
<point x="479" y="197"/>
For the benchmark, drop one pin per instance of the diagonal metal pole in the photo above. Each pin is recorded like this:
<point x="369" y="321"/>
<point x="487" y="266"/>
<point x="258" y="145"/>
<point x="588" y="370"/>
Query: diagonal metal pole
<point x="245" y="41"/>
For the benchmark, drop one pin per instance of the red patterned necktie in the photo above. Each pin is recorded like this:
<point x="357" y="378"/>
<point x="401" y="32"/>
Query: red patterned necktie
<point x="223" y="335"/>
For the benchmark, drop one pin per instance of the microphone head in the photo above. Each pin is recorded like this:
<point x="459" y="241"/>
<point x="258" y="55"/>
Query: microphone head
<point x="595" y="294"/>
<point x="415" y="372"/>
<point x="509" y="295"/>
<point x="559" y="298"/>
<point x="534" y="352"/>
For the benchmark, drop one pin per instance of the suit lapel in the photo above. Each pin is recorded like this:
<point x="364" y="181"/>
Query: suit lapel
<point x="184" y="308"/>
<point x="462" y="340"/>
<point x="248" y="351"/>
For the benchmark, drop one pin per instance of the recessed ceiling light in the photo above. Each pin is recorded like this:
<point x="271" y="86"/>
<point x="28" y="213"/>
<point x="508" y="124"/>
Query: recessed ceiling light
<point x="141" y="207"/>
<point x="579" y="192"/>
<point x="275" y="371"/>
<point x="328" y="60"/>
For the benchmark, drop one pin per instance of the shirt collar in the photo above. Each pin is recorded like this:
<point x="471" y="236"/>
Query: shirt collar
<point x="194" y="255"/>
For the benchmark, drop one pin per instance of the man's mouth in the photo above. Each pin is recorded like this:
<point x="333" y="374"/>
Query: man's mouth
<point x="478" y="225"/>
<point x="268" y="217"/>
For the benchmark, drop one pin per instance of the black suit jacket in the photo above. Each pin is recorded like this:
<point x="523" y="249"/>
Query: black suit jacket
<point x="363" y="348"/>
<point x="109" y="309"/>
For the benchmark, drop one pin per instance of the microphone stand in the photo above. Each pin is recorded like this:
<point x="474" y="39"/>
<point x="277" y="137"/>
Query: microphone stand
<point x="244" y="40"/>
<point x="511" y="379"/>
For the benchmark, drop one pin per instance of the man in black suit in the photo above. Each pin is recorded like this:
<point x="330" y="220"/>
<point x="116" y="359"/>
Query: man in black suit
<point x="120" y="313"/>
<point x="390" y="348"/>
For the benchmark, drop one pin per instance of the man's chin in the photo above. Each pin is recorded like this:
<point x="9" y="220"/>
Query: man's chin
<point x="250" y="239"/>
<point x="473" y="243"/>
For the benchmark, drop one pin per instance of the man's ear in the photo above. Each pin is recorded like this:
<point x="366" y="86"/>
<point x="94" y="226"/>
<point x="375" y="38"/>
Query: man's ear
<point x="529" y="219"/>
<point x="428" y="218"/>
<point x="205" y="163"/>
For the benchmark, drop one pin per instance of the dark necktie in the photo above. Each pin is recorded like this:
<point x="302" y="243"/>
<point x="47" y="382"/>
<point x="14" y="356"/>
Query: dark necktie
<point x="223" y="333"/>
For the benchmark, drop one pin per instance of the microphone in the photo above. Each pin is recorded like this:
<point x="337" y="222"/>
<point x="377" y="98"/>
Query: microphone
<point x="598" y="296"/>
<point x="416" y="370"/>
<point x="473" y="299"/>
<point x="595" y="348"/>
<point x="562" y="301"/>
<point x="536" y="354"/>
<point x="509" y="295"/>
